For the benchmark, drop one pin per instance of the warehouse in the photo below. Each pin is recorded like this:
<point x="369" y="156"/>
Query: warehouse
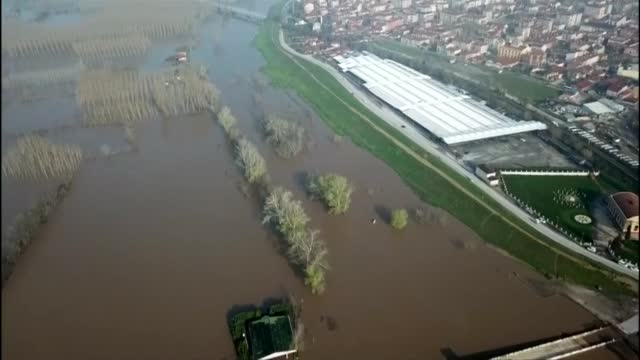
<point x="445" y="112"/>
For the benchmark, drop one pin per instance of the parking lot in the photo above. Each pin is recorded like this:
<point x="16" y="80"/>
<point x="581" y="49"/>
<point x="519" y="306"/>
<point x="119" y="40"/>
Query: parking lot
<point x="611" y="148"/>
<point x="515" y="151"/>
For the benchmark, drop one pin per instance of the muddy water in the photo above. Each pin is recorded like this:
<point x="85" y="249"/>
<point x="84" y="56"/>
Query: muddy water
<point x="151" y="250"/>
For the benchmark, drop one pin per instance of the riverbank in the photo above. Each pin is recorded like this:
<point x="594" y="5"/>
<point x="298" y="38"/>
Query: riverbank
<point x="347" y="117"/>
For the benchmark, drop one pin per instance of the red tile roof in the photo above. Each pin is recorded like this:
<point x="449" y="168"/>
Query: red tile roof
<point x="616" y="86"/>
<point x="584" y="85"/>
<point x="627" y="202"/>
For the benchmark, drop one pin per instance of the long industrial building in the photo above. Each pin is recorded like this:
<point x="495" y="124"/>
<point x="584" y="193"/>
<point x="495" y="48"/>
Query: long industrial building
<point x="448" y="114"/>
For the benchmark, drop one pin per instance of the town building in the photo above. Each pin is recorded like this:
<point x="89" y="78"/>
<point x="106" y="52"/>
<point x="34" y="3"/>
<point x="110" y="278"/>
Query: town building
<point x="488" y="174"/>
<point x="623" y="207"/>
<point x="597" y="11"/>
<point x="570" y="20"/>
<point x="444" y="111"/>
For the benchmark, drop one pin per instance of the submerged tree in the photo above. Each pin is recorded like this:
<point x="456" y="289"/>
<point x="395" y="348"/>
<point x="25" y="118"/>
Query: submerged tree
<point x="250" y="160"/>
<point x="315" y="278"/>
<point x="334" y="190"/>
<point x="304" y="247"/>
<point x="226" y="119"/>
<point x="286" y="213"/>
<point x="399" y="218"/>
<point x="286" y="136"/>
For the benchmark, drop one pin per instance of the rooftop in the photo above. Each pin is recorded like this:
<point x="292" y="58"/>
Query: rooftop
<point x="269" y="336"/>
<point x="444" y="111"/>
<point x="604" y="106"/>
<point x="627" y="202"/>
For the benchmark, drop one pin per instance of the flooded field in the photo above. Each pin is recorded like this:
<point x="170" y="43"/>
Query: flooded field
<point x="154" y="246"/>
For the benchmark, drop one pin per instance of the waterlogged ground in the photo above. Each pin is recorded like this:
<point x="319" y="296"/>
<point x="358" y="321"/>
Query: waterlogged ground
<point x="152" y="249"/>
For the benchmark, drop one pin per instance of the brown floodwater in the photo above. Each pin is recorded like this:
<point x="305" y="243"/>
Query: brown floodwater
<point x="152" y="248"/>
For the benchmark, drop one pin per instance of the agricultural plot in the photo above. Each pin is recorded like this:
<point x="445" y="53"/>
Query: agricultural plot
<point x="563" y="201"/>
<point x="35" y="158"/>
<point x="120" y="29"/>
<point x="125" y="98"/>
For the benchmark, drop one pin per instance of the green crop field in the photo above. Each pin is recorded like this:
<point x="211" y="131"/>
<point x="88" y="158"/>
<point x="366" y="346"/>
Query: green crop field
<point x="347" y="117"/>
<point x="559" y="199"/>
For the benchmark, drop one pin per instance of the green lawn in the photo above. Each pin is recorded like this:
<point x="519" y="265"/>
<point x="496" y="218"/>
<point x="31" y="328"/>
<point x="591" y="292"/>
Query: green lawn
<point x="524" y="87"/>
<point x="427" y="184"/>
<point x="558" y="198"/>
<point x="521" y="86"/>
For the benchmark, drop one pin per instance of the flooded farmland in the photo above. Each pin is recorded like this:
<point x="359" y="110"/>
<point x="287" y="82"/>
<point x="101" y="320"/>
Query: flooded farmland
<point x="156" y="243"/>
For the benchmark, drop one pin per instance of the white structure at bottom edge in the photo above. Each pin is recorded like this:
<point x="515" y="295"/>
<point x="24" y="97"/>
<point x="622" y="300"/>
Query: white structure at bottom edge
<point x="445" y="112"/>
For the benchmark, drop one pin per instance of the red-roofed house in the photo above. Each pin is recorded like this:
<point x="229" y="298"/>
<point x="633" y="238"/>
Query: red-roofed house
<point x="584" y="85"/>
<point x="616" y="88"/>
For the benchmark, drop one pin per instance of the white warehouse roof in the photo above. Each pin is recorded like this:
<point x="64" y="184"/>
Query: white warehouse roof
<point x="448" y="114"/>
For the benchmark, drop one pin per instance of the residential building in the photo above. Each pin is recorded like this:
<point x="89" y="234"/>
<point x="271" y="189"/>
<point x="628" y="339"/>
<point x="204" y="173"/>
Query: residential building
<point x="597" y="11"/>
<point x="570" y="20"/>
<point x="488" y="174"/>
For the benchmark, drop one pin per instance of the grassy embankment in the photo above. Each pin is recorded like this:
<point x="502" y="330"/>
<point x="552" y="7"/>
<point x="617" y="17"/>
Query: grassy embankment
<point x="521" y="86"/>
<point x="551" y="197"/>
<point x="433" y="183"/>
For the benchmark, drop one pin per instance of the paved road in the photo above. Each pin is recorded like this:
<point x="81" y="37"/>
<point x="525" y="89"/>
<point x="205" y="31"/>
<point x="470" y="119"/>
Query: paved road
<point x="629" y="326"/>
<point x="413" y="133"/>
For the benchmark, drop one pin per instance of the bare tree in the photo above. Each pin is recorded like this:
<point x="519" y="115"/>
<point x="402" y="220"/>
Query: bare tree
<point x="308" y="248"/>
<point x="286" y="136"/>
<point x="286" y="213"/>
<point x="250" y="160"/>
<point x="226" y="119"/>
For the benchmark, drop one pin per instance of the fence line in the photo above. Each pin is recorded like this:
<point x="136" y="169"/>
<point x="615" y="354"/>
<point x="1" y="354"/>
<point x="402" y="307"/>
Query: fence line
<point x="547" y="172"/>
<point x="536" y="213"/>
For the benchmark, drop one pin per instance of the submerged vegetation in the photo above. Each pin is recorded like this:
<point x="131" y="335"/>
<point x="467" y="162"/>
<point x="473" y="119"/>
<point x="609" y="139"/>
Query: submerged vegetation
<point x="25" y="227"/>
<point x="115" y="97"/>
<point x="43" y="77"/>
<point x="35" y="158"/>
<point x="108" y="97"/>
<point x="227" y="120"/>
<point x="429" y="215"/>
<point x="334" y="190"/>
<point x="304" y="247"/>
<point x="119" y="22"/>
<point x="399" y="218"/>
<point x="287" y="137"/>
<point x="96" y="49"/>
<point x="185" y="92"/>
<point x="250" y="161"/>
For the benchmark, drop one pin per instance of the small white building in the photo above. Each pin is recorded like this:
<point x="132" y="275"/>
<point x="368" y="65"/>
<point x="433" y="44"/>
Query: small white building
<point x="487" y="174"/>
